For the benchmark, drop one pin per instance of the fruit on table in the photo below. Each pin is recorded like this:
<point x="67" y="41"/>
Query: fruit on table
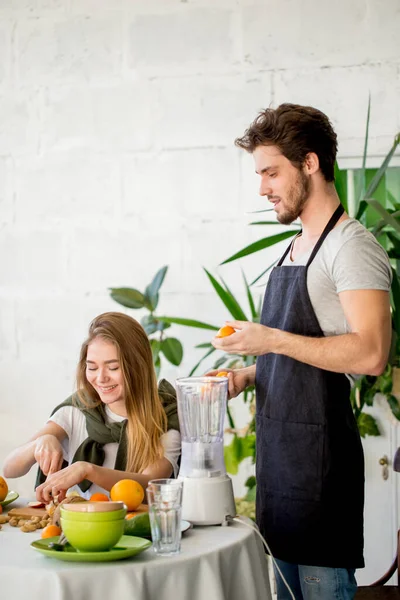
<point x="138" y="526"/>
<point x="3" y="489"/>
<point x="99" y="497"/>
<point x="128" y="491"/>
<point x="225" y="331"/>
<point x="51" y="531"/>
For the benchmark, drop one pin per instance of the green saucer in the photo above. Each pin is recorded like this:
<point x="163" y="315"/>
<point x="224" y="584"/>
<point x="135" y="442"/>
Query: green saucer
<point x="11" y="496"/>
<point x="127" y="546"/>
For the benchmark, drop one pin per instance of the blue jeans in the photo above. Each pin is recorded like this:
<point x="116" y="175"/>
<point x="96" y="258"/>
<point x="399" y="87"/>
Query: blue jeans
<point x="315" y="583"/>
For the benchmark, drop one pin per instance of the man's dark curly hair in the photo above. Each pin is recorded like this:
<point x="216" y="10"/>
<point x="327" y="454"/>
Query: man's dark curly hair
<point x="296" y="130"/>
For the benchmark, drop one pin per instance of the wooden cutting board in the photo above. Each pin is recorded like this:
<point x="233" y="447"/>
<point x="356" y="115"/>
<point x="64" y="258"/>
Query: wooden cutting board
<point x="27" y="512"/>
<point x="140" y="509"/>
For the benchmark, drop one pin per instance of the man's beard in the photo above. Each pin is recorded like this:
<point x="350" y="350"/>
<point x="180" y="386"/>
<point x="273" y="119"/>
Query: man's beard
<point x="297" y="196"/>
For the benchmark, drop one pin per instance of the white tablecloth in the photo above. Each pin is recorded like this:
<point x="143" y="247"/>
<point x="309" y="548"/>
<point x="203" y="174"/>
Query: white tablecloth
<point x="216" y="563"/>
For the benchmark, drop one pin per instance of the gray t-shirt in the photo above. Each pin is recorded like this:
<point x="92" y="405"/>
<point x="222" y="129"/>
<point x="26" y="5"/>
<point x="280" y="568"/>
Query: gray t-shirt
<point x="350" y="258"/>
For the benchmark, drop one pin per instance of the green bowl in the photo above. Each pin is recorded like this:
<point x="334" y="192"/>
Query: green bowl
<point x="93" y="517"/>
<point x="93" y="536"/>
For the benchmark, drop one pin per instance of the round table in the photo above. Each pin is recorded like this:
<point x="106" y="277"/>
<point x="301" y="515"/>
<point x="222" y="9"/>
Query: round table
<point x="216" y="563"/>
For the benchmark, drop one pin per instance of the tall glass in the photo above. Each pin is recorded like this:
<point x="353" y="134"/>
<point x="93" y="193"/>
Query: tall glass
<point x="164" y="497"/>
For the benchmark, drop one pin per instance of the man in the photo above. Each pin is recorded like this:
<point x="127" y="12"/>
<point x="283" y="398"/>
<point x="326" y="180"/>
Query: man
<point x="326" y="313"/>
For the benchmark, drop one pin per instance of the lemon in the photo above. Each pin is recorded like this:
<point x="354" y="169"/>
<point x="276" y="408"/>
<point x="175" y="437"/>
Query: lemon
<point x="3" y="489"/>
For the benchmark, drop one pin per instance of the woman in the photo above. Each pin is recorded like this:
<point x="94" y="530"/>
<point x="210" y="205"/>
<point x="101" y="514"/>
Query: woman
<point x="115" y="426"/>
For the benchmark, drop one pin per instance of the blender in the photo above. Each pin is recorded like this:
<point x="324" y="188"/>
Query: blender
<point x="207" y="489"/>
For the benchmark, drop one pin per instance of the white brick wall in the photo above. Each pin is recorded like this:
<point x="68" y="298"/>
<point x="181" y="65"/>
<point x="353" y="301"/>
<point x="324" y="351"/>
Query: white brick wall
<point x="198" y="39"/>
<point x="117" y="121"/>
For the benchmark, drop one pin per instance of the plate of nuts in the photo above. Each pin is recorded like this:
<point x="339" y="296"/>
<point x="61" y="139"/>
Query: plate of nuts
<point x="28" y="524"/>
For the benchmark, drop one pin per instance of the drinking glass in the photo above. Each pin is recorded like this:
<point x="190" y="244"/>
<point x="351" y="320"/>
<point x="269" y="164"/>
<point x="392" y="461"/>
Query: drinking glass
<point x="164" y="497"/>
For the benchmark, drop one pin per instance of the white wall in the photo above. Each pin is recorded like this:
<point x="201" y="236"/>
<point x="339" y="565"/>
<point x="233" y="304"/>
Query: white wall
<point x="117" y="121"/>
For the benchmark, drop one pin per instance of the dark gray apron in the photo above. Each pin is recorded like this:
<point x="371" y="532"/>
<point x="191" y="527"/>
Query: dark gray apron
<point x="309" y="458"/>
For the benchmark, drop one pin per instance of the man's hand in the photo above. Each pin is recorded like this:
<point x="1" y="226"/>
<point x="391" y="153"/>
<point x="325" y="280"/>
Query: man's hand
<point x="362" y="351"/>
<point x="58" y="483"/>
<point x="238" y="379"/>
<point x="48" y="454"/>
<point x="250" y="339"/>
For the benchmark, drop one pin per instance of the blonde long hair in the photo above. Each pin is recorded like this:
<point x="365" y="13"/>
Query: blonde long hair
<point x="146" y="417"/>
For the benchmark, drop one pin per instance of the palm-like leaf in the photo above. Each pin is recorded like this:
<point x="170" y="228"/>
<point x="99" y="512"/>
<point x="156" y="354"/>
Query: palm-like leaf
<point x="378" y="177"/>
<point x="264" y="273"/>
<point x="228" y="299"/>
<point x="382" y="169"/>
<point x="361" y="187"/>
<point x="380" y="226"/>
<point x="188" y="323"/>
<point x="265" y="223"/>
<point x="206" y="355"/>
<point x="386" y="216"/>
<point x="261" y="245"/>
<point x="341" y="185"/>
<point x="252" y="306"/>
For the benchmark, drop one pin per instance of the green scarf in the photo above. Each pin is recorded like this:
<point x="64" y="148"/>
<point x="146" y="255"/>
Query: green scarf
<point x="101" y="433"/>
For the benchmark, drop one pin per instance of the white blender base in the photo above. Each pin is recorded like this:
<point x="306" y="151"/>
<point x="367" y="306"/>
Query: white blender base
<point x="207" y="500"/>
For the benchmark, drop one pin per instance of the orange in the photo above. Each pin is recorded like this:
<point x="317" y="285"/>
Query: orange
<point x="128" y="491"/>
<point x="99" y="497"/>
<point x="131" y="515"/>
<point x="3" y="489"/>
<point x="225" y="331"/>
<point x="222" y="374"/>
<point x="51" y="531"/>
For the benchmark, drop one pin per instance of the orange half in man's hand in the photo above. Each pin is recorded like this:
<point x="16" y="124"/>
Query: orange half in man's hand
<point x="225" y="331"/>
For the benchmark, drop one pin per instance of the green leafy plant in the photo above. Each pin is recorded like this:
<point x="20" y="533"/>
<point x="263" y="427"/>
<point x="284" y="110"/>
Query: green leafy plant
<point x="378" y="209"/>
<point x="246" y="506"/>
<point x="170" y="347"/>
<point x="363" y="394"/>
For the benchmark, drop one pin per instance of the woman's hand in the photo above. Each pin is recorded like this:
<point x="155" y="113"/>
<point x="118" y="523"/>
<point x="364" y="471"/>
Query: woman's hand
<point x="48" y="453"/>
<point x="44" y="449"/>
<point x="58" y="483"/>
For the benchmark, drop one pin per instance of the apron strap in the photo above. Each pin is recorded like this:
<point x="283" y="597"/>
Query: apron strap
<point x="287" y="251"/>
<point x="330" y="225"/>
